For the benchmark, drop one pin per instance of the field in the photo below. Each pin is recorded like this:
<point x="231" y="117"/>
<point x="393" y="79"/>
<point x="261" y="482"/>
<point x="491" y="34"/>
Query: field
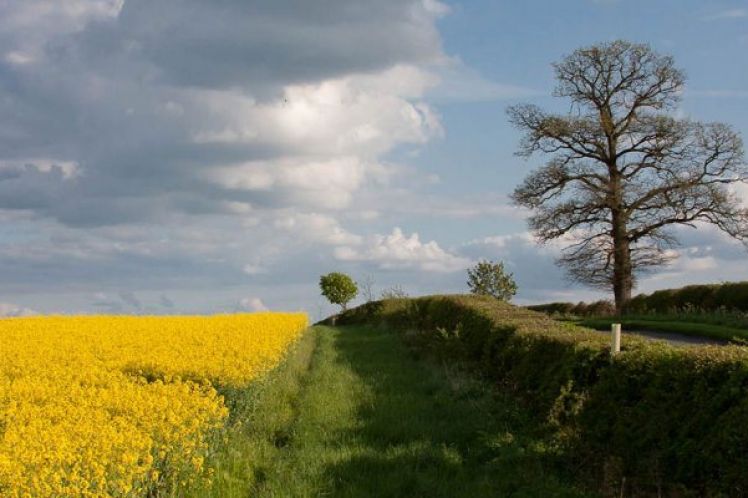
<point x="124" y="406"/>
<point x="436" y="396"/>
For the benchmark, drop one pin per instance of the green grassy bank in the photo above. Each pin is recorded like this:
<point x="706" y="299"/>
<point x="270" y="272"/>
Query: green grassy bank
<point x="653" y="420"/>
<point x="353" y="412"/>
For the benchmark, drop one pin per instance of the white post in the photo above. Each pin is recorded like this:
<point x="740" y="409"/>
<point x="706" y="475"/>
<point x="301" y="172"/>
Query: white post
<point x="615" y="346"/>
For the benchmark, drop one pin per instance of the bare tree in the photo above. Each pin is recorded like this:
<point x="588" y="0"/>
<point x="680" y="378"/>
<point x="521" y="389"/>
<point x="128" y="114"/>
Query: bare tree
<point x="367" y="288"/>
<point x="622" y="170"/>
<point x="394" y="292"/>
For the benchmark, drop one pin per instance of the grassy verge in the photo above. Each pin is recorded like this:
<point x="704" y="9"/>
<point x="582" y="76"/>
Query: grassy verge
<point x="666" y="325"/>
<point x="730" y="319"/>
<point x="261" y="419"/>
<point x="361" y="416"/>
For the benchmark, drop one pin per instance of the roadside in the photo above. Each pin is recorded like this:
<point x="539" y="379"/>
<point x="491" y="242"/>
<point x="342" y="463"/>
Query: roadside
<point x="674" y="339"/>
<point x="675" y="333"/>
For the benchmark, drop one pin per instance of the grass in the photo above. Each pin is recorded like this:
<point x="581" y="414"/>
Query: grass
<point x="353" y="413"/>
<point x="667" y="324"/>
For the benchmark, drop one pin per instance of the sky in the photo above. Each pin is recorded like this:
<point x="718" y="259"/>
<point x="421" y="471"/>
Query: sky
<point x="184" y="156"/>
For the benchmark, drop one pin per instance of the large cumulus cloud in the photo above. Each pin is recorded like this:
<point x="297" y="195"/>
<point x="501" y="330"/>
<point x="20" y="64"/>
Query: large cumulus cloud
<point x="155" y="143"/>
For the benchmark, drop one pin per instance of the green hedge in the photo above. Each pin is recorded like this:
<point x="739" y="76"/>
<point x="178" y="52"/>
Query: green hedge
<point x="597" y="308"/>
<point x="661" y="419"/>
<point x="730" y="296"/>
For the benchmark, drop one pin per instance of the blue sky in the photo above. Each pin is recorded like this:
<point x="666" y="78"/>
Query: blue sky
<point x="186" y="156"/>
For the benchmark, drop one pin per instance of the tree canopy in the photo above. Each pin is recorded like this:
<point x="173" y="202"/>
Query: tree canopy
<point x="623" y="170"/>
<point x="338" y="288"/>
<point x="488" y="278"/>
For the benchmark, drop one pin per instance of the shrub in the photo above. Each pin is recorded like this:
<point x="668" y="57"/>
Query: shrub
<point x="597" y="308"/>
<point x="730" y="296"/>
<point x="663" y="418"/>
<point x="489" y="279"/>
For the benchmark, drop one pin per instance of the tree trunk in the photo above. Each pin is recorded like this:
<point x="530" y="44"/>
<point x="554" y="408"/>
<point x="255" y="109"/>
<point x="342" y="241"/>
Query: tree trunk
<point x="622" y="272"/>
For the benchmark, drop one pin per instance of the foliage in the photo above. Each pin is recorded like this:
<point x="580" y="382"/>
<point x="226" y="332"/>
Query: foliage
<point x="488" y="278"/>
<point x="728" y="296"/>
<point x="663" y="419"/>
<point x="123" y="406"/>
<point x="338" y="288"/>
<point x="596" y="308"/>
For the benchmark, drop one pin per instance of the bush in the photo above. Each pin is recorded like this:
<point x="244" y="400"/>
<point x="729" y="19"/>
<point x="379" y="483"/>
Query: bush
<point x="488" y="278"/>
<point x="597" y="308"/>
<point x="663" y="418"/>
<point x="730" y="296"/>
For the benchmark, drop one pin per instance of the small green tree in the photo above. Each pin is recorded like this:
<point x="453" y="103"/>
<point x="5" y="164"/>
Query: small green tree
<point x="489" y="279"/>
<point x="338" y="288"/>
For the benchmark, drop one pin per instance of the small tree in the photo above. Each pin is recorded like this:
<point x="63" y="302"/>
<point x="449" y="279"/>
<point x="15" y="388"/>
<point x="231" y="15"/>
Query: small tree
<point x="367" y="288"/>
<point x="338" y="288"/>
<point x="488" y="278"/>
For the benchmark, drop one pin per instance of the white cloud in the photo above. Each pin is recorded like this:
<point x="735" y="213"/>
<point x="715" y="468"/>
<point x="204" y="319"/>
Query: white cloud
<point x="399" y="251"/>
<point x="328" y="184"/>
<point x="741" y="191"/>
<point x="365" y="114"/>
<point x="11" y="310"/>
<point x="436" y="8"/>
<point x="252" y="304"/>
<point x="316" y="227"/>
<point x="19" y="58"/>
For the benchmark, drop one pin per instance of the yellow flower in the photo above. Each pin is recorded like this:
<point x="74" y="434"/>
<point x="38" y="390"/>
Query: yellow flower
<point x="116" y="406"/>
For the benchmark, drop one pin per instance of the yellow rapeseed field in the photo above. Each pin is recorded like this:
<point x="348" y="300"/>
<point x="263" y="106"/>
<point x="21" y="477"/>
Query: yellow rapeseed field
<point x="101" y="406"/>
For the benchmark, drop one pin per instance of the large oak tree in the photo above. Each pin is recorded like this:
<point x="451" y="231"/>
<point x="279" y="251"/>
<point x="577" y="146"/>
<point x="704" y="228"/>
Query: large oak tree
<point x="623" y="170"/>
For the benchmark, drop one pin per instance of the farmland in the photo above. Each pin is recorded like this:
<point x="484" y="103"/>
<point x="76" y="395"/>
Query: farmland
<point x="124" y="406"/>
<point x="433" y="396"/>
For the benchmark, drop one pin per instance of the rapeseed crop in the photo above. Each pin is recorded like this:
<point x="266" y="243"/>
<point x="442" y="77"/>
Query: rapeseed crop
<point x="123" y="406"/>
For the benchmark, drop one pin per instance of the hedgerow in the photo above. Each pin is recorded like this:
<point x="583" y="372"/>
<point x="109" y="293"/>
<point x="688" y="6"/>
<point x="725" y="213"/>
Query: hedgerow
<point x="730" y="296"/>
<point x="652" y="419"/>
<point x="596" y="308"/>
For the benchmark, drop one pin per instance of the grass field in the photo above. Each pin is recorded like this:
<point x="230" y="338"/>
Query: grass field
<point x="353" y="413"/>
